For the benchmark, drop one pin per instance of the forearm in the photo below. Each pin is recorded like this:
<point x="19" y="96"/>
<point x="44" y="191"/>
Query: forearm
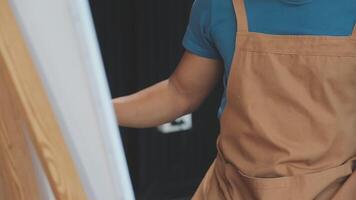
<point x="152" y="106"/>
<point x="182" y="93"/>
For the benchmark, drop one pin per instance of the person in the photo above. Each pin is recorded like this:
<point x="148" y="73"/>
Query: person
<point x="288" y="114"/>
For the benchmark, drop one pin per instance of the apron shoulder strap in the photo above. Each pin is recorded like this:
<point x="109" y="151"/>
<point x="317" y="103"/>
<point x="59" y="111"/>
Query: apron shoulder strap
<point x="241" y="16"/>
<point x="353" y="36"/>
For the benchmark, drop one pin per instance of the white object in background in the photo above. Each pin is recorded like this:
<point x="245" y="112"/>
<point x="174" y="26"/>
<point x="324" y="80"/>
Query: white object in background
<point x="183" y="123"/>
<point x="62" y="41"/>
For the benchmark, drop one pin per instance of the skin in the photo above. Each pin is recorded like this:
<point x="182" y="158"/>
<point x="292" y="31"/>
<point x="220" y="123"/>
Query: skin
<point x="182" y="93"/>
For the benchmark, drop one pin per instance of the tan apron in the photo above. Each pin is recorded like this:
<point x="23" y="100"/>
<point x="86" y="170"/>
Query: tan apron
<point x="288" y="131"/>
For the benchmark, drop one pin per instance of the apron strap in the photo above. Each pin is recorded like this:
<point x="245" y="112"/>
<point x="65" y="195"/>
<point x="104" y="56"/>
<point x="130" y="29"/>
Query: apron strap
<point x="353" y="36"/>
<point x="241" y="16"/>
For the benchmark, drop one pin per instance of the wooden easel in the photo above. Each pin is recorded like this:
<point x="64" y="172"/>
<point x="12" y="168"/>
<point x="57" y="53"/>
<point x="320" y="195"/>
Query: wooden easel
<point x="25" y="109"/>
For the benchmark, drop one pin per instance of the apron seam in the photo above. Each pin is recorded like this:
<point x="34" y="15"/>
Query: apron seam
<point x="296" y="53"/>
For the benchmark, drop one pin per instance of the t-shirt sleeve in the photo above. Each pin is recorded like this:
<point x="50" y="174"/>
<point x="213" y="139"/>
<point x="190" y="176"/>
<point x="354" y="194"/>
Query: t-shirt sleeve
<point x="197" y="38"/>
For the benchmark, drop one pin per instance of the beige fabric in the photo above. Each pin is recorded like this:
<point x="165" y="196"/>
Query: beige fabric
<point x="288" y="130"/>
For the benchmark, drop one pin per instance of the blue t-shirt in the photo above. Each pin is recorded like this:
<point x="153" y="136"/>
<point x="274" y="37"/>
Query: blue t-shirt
<point x="212" y="26"/>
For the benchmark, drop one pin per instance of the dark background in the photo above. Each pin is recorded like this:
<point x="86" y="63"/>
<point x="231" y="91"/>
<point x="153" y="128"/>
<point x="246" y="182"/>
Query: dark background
<point x="140" y="41"/>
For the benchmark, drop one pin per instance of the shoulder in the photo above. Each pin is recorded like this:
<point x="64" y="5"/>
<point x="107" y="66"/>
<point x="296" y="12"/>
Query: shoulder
<point x="201" y="11"/>
<point x="197" y="38"/>
<point x="208" y="14"/>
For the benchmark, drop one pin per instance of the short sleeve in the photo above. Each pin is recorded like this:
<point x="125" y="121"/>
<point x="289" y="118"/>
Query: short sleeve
<point x="197" y="38"/>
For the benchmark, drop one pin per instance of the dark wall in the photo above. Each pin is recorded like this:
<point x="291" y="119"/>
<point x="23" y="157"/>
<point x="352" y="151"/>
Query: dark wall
<point x="140" y="42"/>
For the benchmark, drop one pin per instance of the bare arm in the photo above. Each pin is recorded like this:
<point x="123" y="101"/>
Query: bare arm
<point x="181" y="93"/>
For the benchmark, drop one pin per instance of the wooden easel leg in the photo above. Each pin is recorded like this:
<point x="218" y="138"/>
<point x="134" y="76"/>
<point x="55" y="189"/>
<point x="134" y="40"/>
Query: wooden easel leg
<point x="17" y="176"/>
<point x="24" y="103"/>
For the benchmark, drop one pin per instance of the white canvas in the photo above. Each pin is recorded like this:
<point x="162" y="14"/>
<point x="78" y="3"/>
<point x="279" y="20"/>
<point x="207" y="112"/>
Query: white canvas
<point x="63" y="45"/>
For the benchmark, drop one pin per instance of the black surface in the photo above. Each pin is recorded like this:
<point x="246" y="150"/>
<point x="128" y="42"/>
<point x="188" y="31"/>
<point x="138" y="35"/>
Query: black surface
<point x="141" y="45"/>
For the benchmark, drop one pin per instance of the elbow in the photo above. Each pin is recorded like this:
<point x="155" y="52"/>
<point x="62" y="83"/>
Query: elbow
<point x="186" y="102"/>
<point x="191" y="105"/>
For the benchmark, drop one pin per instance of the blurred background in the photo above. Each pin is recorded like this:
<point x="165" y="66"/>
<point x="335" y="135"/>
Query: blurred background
<point x="141" y="44"/>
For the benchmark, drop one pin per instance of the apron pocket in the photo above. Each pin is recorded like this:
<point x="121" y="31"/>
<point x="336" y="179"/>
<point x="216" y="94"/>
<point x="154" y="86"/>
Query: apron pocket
<point x="278" y="182"/>
<point x="304" y="186"/>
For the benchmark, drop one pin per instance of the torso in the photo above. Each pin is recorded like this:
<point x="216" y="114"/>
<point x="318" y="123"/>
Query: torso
<point x="288" y="129"/>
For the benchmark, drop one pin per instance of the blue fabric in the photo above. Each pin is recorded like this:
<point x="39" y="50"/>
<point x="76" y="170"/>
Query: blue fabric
<point x="212" y="26"/>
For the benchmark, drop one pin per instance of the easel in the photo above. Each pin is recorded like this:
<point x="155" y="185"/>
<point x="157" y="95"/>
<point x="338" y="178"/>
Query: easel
<point x="25" y="112"/>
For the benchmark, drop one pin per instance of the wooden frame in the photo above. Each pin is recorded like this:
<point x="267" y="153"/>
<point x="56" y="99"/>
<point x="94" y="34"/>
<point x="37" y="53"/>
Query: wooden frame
<point x="25" y="108"/>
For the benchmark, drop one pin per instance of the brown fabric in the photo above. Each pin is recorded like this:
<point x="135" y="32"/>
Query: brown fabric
<point x="241" y="17"/>
<point x="288" y="130"/>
